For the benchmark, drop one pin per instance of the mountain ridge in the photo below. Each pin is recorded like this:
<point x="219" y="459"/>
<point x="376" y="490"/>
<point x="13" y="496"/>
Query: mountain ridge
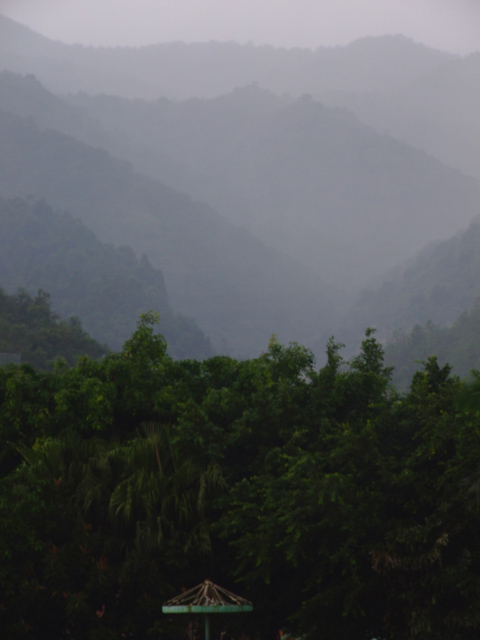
<point x="181" y="70"/>
<point x="214" y="271"/>
<point x="107" y="287"/>
<point x="308" y="179"/>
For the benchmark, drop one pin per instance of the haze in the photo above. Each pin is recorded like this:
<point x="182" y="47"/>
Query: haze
<point x="266" y="209"/>
<point x="451" y="25"/>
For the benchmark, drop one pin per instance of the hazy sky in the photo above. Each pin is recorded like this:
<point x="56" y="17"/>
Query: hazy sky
<point x="452" y="25"/>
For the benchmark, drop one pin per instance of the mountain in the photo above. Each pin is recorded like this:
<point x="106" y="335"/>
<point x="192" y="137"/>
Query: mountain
<point x="26" y="97"/>
<point x="180" y="70"/>
<point x="457" y="345"/>
<point x="437" y="112"/>
<point x="313" y="181"/>
<point x="310" y="180"/>
<point x="107" y="287"/>
<point x="438" y="285"/>
<point x="237" y="289"/>
<point x="30" y="332"/>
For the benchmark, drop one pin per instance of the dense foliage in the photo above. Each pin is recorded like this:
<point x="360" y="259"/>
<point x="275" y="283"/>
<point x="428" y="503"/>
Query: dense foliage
<point x="341" y="508"/>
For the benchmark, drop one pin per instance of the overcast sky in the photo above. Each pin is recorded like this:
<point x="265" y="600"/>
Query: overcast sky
<point x="452" y="25"/>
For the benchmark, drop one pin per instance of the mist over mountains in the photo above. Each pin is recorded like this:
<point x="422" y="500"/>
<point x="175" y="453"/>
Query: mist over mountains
<point x="179" y="71"/>
<point x="214" y="272"/>
<point x="437" y="112"/>
<point x="307" y="179"/>
<point x="108" y="287"/>
<point x="267" y="186"/>
<point x="234" y="282"/>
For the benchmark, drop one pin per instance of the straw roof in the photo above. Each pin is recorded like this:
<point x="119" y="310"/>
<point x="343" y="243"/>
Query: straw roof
<point x="211" y="596"/>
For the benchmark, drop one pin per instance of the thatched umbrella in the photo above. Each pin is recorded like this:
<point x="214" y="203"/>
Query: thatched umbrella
<point x="207" y="598"/>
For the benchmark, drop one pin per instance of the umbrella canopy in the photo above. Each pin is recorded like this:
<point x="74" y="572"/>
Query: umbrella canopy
<point x="207" y="598"/>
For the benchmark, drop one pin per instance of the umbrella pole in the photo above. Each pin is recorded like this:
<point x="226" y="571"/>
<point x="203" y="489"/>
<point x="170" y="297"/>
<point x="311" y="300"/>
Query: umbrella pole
<point x="207" y="627"/>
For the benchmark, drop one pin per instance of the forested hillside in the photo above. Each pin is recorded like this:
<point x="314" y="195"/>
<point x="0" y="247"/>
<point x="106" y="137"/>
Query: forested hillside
<point x="458" y="345"/>
<point x="310" y="180"/>
<point x="108" y="288"/>
<point x="232" y="284"/>
<point x="31" y="330"/>
<point x="339" y="507"/>
<point x="324" y="207"/>
<point x="439" y="284"/>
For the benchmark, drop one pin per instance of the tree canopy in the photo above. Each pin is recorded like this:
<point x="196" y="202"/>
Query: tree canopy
<point x="339" y="506"/>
